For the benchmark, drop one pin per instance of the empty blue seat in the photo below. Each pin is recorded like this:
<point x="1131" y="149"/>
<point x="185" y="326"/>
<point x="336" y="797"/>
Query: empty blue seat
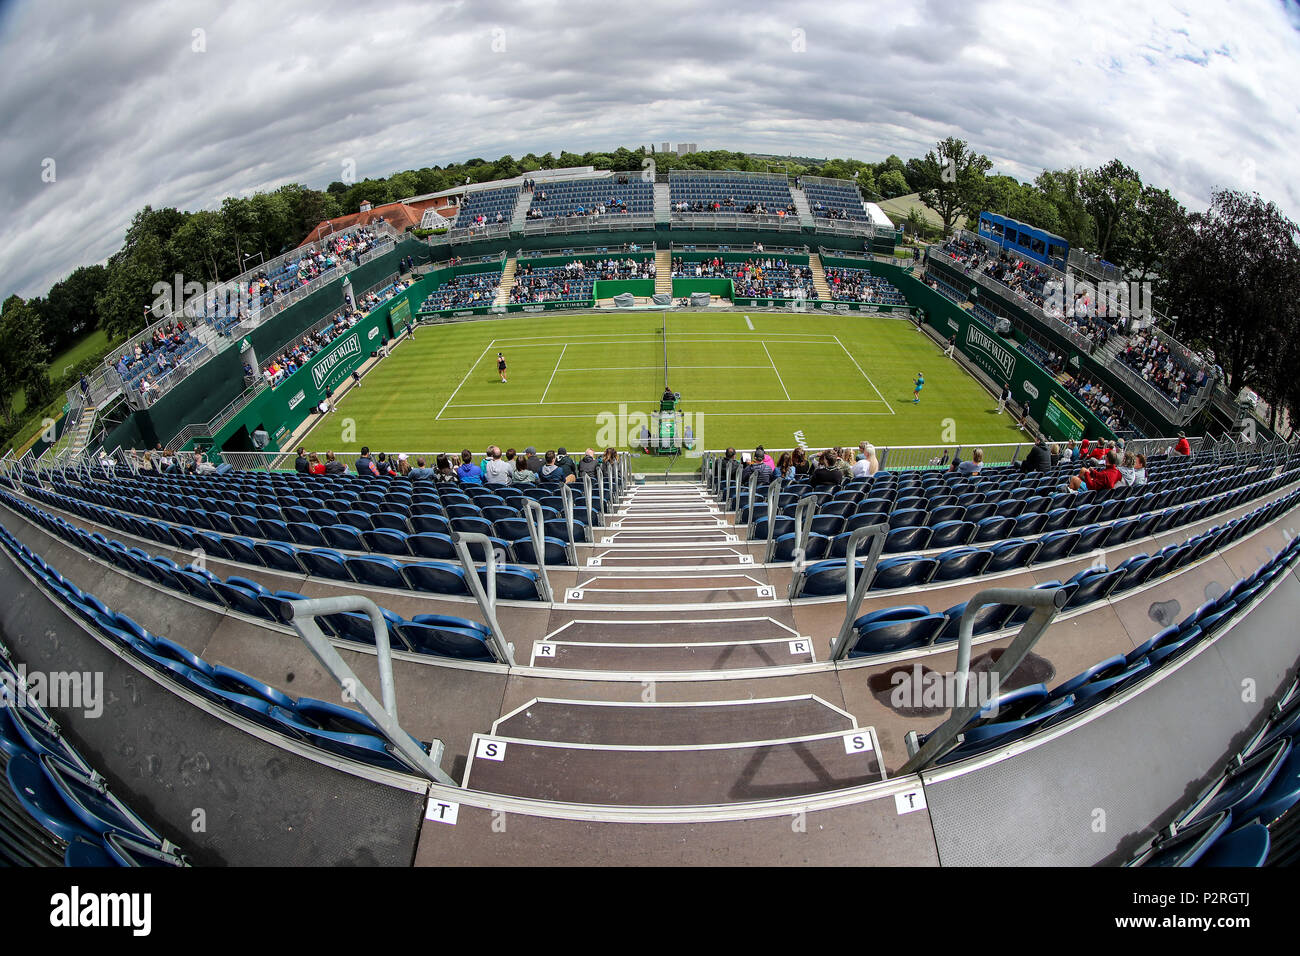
<point x="951" y="534"/>
<point x="960" y="563"/>
<point x="446" y="641"/>
<point x="376" y="571"/>
<point x="322" y="562"/>
<point x="355" y="626"/>
<point x="1093" y="584"/>
<point x="241" y="598"/>
<point x="991" y="529"/>
<point x="1012" y="554"/>
<point x="435" y="577"/>
<point x="914" y="538"/>
<point x="278" y="556"/>
<point x="42" y="801"/>
<point x="307" y="534"/>
<point x="344" y="537"/>
<point x="1056" y="545"/>
<point x="902" y="572"/>
<point x="387" y="541"/>
<point x="513" y="583"/>
<point x="555" y="551"/>
<point x="895" y="629"/>
<point x="989" y="618"/>
<point x="432" y="545"/>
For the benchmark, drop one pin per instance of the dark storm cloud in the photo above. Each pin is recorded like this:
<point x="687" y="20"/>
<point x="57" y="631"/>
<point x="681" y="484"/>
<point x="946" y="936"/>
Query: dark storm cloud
<point x="132" y="114"/>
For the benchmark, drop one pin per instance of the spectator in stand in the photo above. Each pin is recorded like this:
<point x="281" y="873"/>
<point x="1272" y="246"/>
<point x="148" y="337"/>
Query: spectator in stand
<point x="1139" y="469"/>
<point x="589" y="466"/>
<point x="365" y="464"/>
<point x="533" y="461"/>
<point x="799" y="459"/>
<point x="300" y="464"/>
<point x="1127" y="470"/>
<point x="403" y="465"/>
<point x="842" y="463"/>
<point x="566" y="463"/>
<point x="1055" y="449"/>
<point x="975" y="465"/>
<point x="826" y="474"/>
<point x="1098" y="479"/>
<point x="551" y="473"/>
<point x="468" y="472"/>
<point x="444" y="473"/>
<point x="1039" y="457"/>
<point x="609" y="462"/>
<point x="785" y="466"/>
<point x="333" y="466"/>
<point x="1181" y="447"/>
<point x="496" y="471"/>
<point x="758" y="466"/>
<point x="315" y="465"/>
<point x="420" y="472"/>
<point x="523" y="475"/>
<point x="869" y="451"/>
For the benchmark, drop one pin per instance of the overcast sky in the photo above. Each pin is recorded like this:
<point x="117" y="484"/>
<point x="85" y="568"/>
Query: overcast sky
<point x="180" y="104"/>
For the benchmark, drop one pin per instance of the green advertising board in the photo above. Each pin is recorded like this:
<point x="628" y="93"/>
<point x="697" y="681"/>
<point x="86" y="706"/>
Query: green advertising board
<point x="400" y="316"/>
<point x="1064" y="423"/>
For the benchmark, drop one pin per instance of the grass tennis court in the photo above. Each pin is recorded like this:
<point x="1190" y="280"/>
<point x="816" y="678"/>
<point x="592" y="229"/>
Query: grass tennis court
<point x="580" y="381"/>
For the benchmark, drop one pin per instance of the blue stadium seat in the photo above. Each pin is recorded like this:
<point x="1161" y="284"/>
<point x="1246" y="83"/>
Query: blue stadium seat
<point x="435" y="577"/>
<point x="895" y="629"/>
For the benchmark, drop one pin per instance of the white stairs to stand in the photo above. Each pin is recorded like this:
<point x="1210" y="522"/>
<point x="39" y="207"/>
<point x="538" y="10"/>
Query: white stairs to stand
<point x="822" y="287"/>
<point x="668" y="544"/>
<point x="664" y="271"/>
<point x="507" y="282"/>
<point x="85" y="426"/>
<point x="522" y="205"/>
<point x="801" y="205"/>
<point x="663" y="203"/>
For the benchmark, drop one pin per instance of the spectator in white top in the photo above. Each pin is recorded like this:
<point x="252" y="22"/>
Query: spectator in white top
<point x="495" y="470"/>
<point x="868" y="451"/>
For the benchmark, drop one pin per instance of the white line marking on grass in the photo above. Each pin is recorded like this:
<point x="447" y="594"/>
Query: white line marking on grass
<point x="749" y="323"/>
<point x="865" y="375"/>
<point x="543" y="418"/>
<point x="778" y="374"/>
<point x="705" y="401"/>
<point x="552" y="378"/>
<point x="505" y="343"/>
<point x="646" y="368"/>
<point x="486" y="349"/>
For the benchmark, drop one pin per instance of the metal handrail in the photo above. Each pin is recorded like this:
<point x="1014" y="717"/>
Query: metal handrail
<point x="1046" y="604"/>
<point x="535" y="519"/>
<point x="855" y="585"/>
<point x="803" y="515"/>
<point x="302" y="617"/>
<point x="486" y="597"/>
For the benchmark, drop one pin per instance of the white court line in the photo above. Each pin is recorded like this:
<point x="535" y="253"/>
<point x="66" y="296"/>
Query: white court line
<point x="778" y="374"/>
<point x="505" y="343"/>
<point x="486" y="348"/>
<point x="543" y="418"/>
<point x="552" y="378"/>
<point x="654" y="336"/>
<point x="646" y="368"/>
<point x="706" y="401"/>
<point x="865" y="375"/>
<point x="751" y="326"/>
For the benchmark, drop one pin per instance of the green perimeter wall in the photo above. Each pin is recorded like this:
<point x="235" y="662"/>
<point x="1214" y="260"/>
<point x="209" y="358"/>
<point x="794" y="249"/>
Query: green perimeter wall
<point x="722" y="287"/>
<point x="608" y="288"/>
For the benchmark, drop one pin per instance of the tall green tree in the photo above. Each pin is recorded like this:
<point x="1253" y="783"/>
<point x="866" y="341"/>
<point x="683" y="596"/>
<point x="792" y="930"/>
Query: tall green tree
<point x="24" y="357"/>
<point x="1233" y="276"/>
<point x="1111" y="194"/>
<point x="951" y="176"/>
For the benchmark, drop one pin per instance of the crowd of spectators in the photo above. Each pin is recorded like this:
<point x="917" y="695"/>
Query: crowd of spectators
<point x="729" y="206"/>
<point x="824" y="211"/>
<point x="264" y="288"/>
<point x="467" y="290"/>
<point x="1099" y="401"/>
<point x="574" y="280"/>
<point x="859" y="285"/>
<point x="145" y="365"/>
<point x="494" y="468"/>
<point x="1153" y="360"/>
<point x="1092" y="318"/>
<point x="760" y="278"/>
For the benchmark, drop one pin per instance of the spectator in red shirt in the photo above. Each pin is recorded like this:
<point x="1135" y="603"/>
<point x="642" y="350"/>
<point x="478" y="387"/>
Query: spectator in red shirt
<point x="1182" y="446"/>
<point x="1098" y="479"/>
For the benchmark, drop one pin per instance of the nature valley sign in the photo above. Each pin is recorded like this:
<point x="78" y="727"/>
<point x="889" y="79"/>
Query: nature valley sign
<point x="349" y="347"/>
<point x="979" y="344"/>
